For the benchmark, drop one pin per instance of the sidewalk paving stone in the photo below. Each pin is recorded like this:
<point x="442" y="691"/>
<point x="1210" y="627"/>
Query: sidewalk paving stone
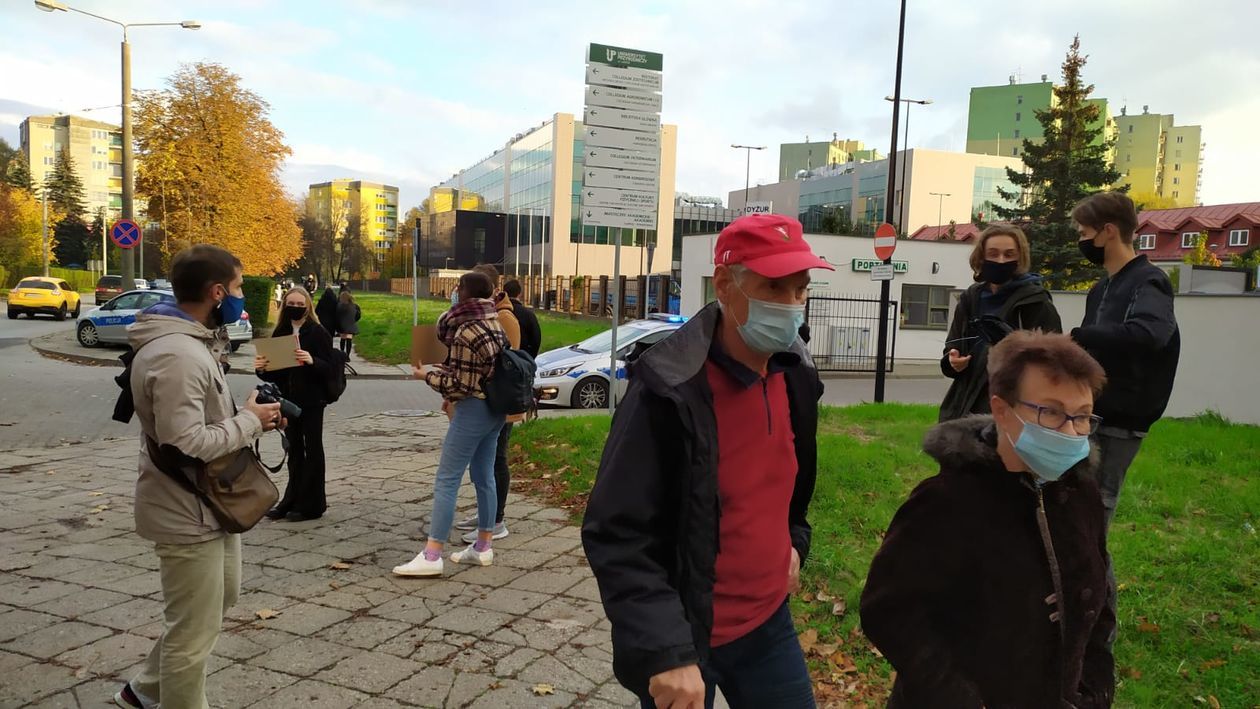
<point x="80" y="598"/>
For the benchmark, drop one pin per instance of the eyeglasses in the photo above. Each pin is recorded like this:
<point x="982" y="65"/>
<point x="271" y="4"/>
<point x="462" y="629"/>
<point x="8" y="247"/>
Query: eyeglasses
<point x="1053" y="419"/>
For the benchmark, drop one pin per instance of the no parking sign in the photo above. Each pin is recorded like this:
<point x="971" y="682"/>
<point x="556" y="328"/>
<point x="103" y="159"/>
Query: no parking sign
<point x="125" y="233"/>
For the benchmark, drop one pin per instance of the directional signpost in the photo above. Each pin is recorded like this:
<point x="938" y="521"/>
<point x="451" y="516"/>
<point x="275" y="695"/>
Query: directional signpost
<point x="621" y="164"/>
<point x="125" y="233"/>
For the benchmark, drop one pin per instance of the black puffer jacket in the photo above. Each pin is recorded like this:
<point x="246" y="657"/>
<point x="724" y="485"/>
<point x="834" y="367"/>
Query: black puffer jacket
<point x="956" y="598"/>
<point x="651" y="526"/>
<point x="1027" y="306"/>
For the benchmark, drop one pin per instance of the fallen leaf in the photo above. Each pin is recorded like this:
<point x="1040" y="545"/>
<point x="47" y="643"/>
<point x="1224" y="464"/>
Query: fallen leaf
<point x="826" y="650"/>
<point x="808" y="639"/>
<point x="1211" y="664"/>
<point x="546" y="476"/>
<point x="99" y="509"/>
<point x="266" y="614"/>
<point x="333" y="585"/>
<point x="339" y="566"/>
<point x="807" y="597"/>
<point x="1122" y="587"/>
<point x="838" y="608"/>
<point x="825" y="597"/>
<point x="1131" y="672"/>
<point x="1213" y="618"/>
<point x="542" y="690"/>
<point x="95" y="494"/>
<point x="1214" y="702"/>
<point x="1147" y="627"/>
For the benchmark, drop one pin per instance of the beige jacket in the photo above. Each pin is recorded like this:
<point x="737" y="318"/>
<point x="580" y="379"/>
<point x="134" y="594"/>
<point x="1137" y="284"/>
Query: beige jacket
<point x="182" y="399"/>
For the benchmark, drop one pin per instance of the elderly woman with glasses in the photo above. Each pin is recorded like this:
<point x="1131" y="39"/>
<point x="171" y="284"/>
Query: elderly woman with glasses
<point x="990" y="587"/>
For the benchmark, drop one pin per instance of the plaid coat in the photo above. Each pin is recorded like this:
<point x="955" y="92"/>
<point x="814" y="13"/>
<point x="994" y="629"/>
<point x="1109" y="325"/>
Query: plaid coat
<point x="475" y="342"/>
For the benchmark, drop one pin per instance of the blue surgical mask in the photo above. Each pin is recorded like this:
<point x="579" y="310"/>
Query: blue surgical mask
<point x="771" y="327"/>
<point x="1048" y="453"/>
<point x="229" y="311"/>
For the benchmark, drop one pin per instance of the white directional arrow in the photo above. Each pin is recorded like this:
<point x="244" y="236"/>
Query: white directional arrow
<point x="623" y="98"/>
<point x="624" y="139"/>
<point x="626" y="218"/>
<point x="628" y="78"/>
<point x="596" y="156"/>
<point x="622" y="179"/>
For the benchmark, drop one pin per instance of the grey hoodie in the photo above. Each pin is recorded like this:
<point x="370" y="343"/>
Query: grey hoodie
<point x="182" y="399"/>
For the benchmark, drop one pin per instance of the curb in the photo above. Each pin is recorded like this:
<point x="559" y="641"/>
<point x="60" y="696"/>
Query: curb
<point x="112" y="361"/>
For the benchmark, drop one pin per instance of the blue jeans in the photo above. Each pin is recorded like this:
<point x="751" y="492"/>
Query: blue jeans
<point x="765" y="668"/>
<point x="470" y="444"/>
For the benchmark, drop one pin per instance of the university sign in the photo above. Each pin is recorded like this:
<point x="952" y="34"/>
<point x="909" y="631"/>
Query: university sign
<point x="622" y="57"/>
<point x="864" y="265"/>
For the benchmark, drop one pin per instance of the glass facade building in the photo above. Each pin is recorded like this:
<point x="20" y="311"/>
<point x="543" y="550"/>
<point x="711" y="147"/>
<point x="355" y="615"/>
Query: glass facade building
<point x="535" y="181"/>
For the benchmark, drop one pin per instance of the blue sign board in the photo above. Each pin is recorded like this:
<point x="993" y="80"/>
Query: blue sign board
<point x="125" y="233"/>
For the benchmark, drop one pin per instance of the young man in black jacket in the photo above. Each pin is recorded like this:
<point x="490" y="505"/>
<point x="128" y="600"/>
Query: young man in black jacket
<point x="531" y="332"/>
<point x="696" y="526"/>
<point x="1130" y="328"/>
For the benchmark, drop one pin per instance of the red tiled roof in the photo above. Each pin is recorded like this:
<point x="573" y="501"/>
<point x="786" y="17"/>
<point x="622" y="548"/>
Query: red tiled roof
<point x="962" y="232"/>
<point x="1212" y="216"/>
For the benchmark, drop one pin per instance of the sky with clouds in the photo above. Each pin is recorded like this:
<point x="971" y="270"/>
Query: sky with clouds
<point x="409" y="92"/>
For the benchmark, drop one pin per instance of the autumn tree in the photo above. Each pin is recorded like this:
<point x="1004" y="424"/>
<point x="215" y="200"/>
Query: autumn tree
<point x="1202" y="255"/>
<point x="1151" y="200"/>
<point x="21" y="235"/>
<point x="209" y="165"/>
<point x="1068" y="164"/>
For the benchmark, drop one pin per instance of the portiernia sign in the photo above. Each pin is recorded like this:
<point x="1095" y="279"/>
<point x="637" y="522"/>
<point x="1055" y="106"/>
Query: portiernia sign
<point x="863" y="265"/>
<point x="622" y="57"/>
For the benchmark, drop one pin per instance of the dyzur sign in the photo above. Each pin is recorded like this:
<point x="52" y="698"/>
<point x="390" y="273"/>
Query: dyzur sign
<point x="622" y="159"/>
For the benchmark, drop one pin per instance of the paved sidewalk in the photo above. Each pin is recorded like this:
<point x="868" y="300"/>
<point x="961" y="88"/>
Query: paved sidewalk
<point x="80" y="599"/>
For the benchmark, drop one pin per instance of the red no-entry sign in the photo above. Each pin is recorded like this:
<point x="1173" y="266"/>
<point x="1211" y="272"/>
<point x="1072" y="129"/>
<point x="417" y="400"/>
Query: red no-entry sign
<point x="885" y="241"/>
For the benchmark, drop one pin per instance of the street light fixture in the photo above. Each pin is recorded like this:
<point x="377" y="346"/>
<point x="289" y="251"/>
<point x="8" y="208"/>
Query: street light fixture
<point x="747" y="167"/>
<point x="128" y="190"/>
<point x="905" y="150"/>
<point x="940" y="203"/>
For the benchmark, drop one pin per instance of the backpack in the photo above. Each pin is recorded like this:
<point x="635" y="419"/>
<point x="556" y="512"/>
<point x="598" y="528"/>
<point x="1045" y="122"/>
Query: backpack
<point x="336" y="385"/>
<point x="509" y="388"/>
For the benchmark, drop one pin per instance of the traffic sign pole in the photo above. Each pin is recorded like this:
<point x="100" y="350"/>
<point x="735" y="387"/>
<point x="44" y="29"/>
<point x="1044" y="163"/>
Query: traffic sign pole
<point x="881" y="348"/>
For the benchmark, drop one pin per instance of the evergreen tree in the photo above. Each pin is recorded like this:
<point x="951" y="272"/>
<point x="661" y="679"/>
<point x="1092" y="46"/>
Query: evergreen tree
<point x="8" y="154"/>
<point x="65" y="189"/>
<point x="73" y="239"/>
<point x="1067" y="165"/>
<point x="18" y="175"/>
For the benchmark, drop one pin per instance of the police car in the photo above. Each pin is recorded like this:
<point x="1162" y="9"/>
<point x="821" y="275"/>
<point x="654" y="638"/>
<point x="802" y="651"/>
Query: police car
<point x="107" y="324"/>
<point x="577" y="375"/>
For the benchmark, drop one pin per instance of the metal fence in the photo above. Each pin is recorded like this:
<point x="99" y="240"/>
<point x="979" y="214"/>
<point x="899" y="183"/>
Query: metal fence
<point x="844" y="333"/>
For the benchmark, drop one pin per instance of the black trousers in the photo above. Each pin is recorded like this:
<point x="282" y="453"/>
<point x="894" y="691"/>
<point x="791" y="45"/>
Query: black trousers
<point x="501" y="475"/>
<point x="305" y="491"/>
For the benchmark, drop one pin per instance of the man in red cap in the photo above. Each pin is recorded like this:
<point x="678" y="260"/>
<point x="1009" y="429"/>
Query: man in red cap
<point x="696" y="526"/>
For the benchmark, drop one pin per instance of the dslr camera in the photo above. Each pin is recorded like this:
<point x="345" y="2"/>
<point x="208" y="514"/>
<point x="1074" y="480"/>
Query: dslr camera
<point x="269" y="393"/>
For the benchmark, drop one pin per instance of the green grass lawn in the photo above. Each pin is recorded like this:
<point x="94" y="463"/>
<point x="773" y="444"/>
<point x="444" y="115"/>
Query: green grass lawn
<point x="385" y="329"/>
<point x="1184" y="541"/>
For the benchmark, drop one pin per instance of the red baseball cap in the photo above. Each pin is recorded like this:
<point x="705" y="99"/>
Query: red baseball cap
<point x="770" y="245"/>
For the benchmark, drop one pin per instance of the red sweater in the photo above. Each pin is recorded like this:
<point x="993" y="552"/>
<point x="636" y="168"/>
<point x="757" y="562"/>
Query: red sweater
<point x="756" y="474"/>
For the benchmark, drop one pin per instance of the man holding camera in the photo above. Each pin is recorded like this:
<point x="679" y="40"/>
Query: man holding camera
<point x="182" y="399"/>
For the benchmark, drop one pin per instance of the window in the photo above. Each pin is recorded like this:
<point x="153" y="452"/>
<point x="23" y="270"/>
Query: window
<point x="48" y="160"/>
<point x="1146" y="242"/>
<point x="1177" y="167"/>
<point x="1017" y="115"/>
<point x="1128" y="157"/>
<point x="1181" y="138"/>
<point x="1130" y="127"/>
<point x="1016" y="132"/>
<point x="925" y="306"/>
<point x="1014" y="151"/>
<point x="1177" y="154"/>
<point x="1176" y="180"/>
<point x="1239" y="237"/>
<point x="1189" y="239"/>
<point x="1176" y="194"/>
<point x="1019" y="99"/>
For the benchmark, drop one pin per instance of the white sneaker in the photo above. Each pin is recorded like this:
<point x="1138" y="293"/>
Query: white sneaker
<point x="471" y="556"/>
<point x="420" y="566"/>
<point x="467" y="523"/>
<point x="500" y="532"/>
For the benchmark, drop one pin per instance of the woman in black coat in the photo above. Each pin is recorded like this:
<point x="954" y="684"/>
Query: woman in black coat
<point x="990" y="587"/>
<point x="327" y="310"/>
<point x="307" y="386"/>
<point x="1005" y="297"/>
<point x="347" y="320"/>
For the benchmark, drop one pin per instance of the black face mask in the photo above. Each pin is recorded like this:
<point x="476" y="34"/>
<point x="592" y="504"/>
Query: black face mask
<point x="295" y="312"/>
<point x="998" y="273"/>
<point x="1093" y="253"/>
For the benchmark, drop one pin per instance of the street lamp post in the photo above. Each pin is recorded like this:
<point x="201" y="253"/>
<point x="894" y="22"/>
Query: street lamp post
<point x="747" y="167"/>
<point x="940" y="205"/>
<point x="128" y="193"/>
<point x="905" y="148"/>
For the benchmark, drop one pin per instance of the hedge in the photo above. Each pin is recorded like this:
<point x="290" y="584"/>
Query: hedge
<point x="4" y="277"/>
<point x="78" y="279"/>
<point x="258" y="294"/>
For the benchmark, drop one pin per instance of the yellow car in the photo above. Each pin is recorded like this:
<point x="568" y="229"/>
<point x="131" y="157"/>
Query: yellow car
<point x="40" y="294"/>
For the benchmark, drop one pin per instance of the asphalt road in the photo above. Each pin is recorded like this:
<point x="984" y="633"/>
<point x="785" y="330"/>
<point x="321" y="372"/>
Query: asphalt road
<point x="47" y="402"/>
